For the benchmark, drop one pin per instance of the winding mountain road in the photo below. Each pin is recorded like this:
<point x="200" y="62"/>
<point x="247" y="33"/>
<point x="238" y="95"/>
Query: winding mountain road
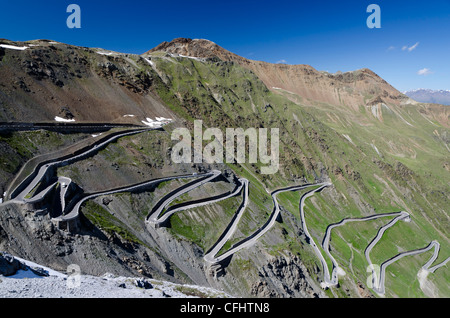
<point x="250" y="240"/>
<point x="209" y="256"/>
<point x="379" y="286"/>
<point x="327" y="281"/>
<point x="378" y="283"/>
<point x="402" y="216"/>
<point x="198" y="203"/>
<point x="326" y="240"/>
<point x="154" y="217"/>
<point x="25" y="193"/>
<point x="74" y="212"/>
<point x="62" y="181"/>
<point x="20" y="196"/>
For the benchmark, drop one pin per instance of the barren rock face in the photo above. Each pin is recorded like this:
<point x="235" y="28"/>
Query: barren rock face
<point x="287" y="274"/>
<point x="77" y="83"/>
<point x="8" y="265"/>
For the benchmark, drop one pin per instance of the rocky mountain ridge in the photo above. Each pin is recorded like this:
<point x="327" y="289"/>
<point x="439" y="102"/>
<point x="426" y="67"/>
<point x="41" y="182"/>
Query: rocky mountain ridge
<point x="430" y="96"/>
<point x="350" y="88"/>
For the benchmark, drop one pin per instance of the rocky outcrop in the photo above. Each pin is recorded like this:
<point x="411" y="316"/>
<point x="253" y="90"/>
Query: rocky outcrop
<point x="363" y="292"/>
<point x="285" y="276"/>
<point x="9" y="266"/>
<point x="34" y="237"/>
<point x="143" y="283"/>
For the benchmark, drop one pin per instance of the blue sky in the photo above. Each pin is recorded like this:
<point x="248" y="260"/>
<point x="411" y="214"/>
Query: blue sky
<point x="411" y="50"/>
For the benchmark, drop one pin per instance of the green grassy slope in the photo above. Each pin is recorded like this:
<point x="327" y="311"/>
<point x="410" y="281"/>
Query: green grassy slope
<point x="377" y="163"/>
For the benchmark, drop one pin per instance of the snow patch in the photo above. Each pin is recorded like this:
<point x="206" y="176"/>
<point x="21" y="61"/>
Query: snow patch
<point x="427" y="287"/>
<point x="404" y="120"/>
<point x="376" y="149"/>
<point x="50" y="271"/>
<point x="12" y="47"/>
<point x="59" y="119"/>
<point x="25" y="284"/>
<point x="348" y="138"/>
<point x="157" y="123"/>
<point x="422" y="275"/>
<point x="151" y="123"/>
<point x="340" y="271"/>
<point x="163" y="119"/>
<point x="106" y="53"/>
<point x="376" y="112"/>
<point x="324" y="285"/>
<point x="297" y="120"/>
<point x="128" y="115"/>
<point x="401" y="117"/>
<point x="429" y="120"/>
<point x="149" y="62"/>
<point x="192" y="57"/>
<point x="282" y="89"/>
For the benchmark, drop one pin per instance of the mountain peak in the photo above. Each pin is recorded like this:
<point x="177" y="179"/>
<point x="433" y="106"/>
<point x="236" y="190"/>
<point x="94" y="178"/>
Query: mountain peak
<point x="195" y="48"/>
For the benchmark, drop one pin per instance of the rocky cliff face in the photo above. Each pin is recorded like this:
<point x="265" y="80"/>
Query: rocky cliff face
<point x="287" y="274"/>
<point x="36" y="237"/>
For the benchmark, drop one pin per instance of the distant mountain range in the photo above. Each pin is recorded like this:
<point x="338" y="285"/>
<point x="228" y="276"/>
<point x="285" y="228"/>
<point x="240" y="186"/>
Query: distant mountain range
<point x="430" y="96"/>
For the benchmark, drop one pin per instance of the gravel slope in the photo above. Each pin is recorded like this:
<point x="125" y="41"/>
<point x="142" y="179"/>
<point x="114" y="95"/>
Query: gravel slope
<point x="26" y="284"/>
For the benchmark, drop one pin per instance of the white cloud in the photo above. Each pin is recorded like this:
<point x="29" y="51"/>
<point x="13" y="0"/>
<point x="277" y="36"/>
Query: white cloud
<point x="391" y="48"/>
<point x="411" y="48"/>
<point x="282" y="61"/>
<point x="424" y="71"/>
